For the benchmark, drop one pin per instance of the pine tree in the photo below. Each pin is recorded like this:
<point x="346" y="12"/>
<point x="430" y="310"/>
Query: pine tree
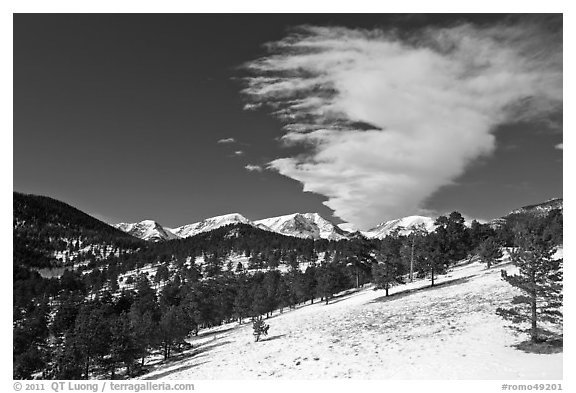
<point x="29" y="342"/>
<point x="145" y="318"/>
<point x="489" y="251"/>
<point x="479" y="233"/>
<point x="91" y="335"/>
<point x="270" y="284"/>
<point x="434" y="256"/>
<point x="328" y="281"/>
<point x="539" y="280"/>
<point x="123" y="345"/>
<point x="389" y="269"/>
<point x="68" y="359"/>
<point x="145" y="329"/>
<point x="259" y="327"/>
<point x="454" y="236"/>
<point x="260" y="301"/>
<point x="173" y="328"/>
<point x="243" y="300"/>
<point x="283" y="293"/>
<point x="308" y="283"/>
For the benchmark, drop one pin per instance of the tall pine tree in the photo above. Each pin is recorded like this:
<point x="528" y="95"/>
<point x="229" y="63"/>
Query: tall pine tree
<point x="539" y="280"/>
<point x="389" y="269"/>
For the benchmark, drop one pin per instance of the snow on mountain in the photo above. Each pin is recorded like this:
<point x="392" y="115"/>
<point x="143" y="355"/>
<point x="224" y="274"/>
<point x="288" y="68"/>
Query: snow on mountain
<point x="210" y="224"/>
<point x="405" y="225"/>
<point x="538" y="209"/>
<point x="541" y="208"/>
<point x="303" y="225"/>
<point x="147" y="230"/>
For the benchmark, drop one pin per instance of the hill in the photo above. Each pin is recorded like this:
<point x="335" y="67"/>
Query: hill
<point x="447" y="332"/>
<point x="50" y="233"/>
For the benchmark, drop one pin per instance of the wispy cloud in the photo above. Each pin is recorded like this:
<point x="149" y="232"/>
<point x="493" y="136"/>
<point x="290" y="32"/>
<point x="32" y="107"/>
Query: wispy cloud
<point x="253" y="168"/>
<point x="559" y="146"/>
<point x="238" y="153"/>
<point x="226" y="140"/>
<point x="388" y="119"/>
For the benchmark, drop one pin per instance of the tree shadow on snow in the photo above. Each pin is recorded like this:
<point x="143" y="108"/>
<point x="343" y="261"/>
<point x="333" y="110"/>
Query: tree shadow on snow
<point x="344" y="296"/>
<point x="195" y="353"/>
<point x="547" y="346"/>
<point x="408" y="292"/>
<point x="206" y="348"/>
<point x="204" y="334"/>
<point x="174" y="370"/>
<point x="276" y="337"/>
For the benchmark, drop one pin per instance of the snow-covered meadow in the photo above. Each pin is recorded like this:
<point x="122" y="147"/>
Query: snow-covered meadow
<point x="447" y="332"/>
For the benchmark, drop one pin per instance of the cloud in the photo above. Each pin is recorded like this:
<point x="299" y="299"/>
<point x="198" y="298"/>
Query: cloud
<point x="559" y="146"/>
<point x="226" y="140"/>
<point x="388" y="119"/>
<point x="238" y="153"/>
<point x="253" y="168"/>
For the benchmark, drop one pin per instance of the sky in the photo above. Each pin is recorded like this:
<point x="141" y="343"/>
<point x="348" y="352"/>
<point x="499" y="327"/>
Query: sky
<point x="361" y="118"/>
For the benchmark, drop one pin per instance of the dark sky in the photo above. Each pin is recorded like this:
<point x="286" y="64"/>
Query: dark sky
<point x="119" y="115"/>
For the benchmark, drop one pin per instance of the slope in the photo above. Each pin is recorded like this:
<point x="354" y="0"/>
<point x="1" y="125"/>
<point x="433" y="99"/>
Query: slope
<point x="47" y="231"/>
<point x="448" y="332"/>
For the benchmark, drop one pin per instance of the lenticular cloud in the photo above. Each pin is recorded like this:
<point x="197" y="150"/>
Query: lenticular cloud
<point x="387" y="121"/>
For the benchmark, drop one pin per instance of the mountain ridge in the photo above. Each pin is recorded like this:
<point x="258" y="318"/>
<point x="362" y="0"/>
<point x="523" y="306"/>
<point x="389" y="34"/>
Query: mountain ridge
<point x="149" y="230"/>
<point x="314" y="226"/>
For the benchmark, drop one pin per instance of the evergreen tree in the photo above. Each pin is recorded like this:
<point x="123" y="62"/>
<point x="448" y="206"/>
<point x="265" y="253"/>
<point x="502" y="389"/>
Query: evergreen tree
<point x="255" y="262"/>
<point x="260" y="301"/>
<point x="92" y="335"/>
<point x="145" y="329"/>
<point x="270" y="284"/>
<point x="453" y="235"/>
<point x="308" y="283"/>
<point x="29" y="342"/>
<point x="328" y="281"/>
<point x="479" y="233"/>
<point x="213" y="265"/>
<point x="173" y="328"/>
<point x="292" y="260"/>
<point x="388" y="270"/>
<point x="243" y="300"/>
<point x="162" y="274"/>
<point x="489" y="251"/>
<point x="434" y="256"/>
<point x="283" y="293"/>
<point x="68" y="360"/>
<point x="124" y="348"/>
<point x="539" y="280"/>
<point x="145" y="317"/>
<point x="259" y="328"/>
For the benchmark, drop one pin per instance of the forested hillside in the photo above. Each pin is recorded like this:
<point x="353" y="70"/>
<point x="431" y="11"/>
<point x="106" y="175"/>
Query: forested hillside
<point x="120" y="300"/>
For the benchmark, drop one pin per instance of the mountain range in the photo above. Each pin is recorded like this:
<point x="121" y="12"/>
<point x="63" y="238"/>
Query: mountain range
<point x="305" y="225"/>
<point x="302" y="225"/>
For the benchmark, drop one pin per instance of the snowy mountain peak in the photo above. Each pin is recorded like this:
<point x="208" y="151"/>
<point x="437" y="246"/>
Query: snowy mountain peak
<point x="210" y="224"/>
<point x="304" y="225"/>
<point x="405" y="225"/>
<point x="147" y="230"/>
